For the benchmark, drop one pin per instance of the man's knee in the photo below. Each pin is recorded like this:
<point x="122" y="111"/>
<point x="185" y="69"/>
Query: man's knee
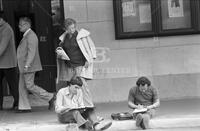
<point x="30" y="85"/>
<point x="75" y="112"/>
<point x="66" y="118"/>
<point x="151" y="113"/>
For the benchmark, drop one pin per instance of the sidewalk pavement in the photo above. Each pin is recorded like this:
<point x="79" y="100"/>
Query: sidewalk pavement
<point x="171" y="114"/>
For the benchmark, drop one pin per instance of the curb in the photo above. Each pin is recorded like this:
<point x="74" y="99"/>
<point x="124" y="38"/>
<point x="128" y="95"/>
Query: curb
<point x="155" y="123"/>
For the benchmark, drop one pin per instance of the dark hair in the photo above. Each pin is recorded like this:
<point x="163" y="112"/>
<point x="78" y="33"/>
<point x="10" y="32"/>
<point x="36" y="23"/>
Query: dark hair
<point x="26" y="19"/>
<point x="76" y="81"/>
<point x="68" y="22"/>
<point x="142" y="81"/>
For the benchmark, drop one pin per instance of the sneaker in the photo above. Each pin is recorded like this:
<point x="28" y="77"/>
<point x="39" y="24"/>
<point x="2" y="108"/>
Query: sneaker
<point x="51" y="102"/>
<point x="88" y="126"/>
<point x="102" y="125"/>
<point x="99" y="118"/>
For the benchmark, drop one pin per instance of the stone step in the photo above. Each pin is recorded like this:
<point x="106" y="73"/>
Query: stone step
<point x="160" y="122"/>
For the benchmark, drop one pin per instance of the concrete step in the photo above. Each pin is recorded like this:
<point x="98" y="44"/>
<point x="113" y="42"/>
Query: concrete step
<point x="167" y="122"/>
<point x="156" y="123"/>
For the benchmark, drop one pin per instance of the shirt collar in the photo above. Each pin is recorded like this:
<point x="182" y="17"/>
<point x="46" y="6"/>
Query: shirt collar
<point x="25" y="33"/>
<point x="66" y="91"/>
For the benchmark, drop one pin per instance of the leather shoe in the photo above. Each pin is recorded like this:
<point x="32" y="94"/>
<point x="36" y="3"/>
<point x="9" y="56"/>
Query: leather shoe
<point x="51" y="102"/>
<point x="23" y="111"/>
<point x="102" y="125"/>
<point x="15" y="108"/>
<point x="89" y="126"/>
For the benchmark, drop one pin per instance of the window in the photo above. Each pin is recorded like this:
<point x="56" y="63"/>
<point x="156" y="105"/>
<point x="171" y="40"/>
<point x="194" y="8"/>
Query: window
<point x="147" y="18"/>
<point x="56" y="9"/>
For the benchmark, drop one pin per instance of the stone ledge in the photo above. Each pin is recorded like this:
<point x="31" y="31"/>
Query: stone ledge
<point x="160" y="122"/>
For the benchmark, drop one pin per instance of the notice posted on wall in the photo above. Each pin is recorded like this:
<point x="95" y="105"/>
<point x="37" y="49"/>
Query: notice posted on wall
<point x="175" y="8"/>
<point x="145" y="13"/>
<point x="129" y="8"/>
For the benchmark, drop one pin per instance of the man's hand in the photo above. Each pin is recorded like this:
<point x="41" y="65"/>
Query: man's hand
<point x="26" y="68"/>
<point x="86" y="64"/>
<point x="140" y="106"/>
<point x="59" y="54"/>
<point x="150" y="107"/>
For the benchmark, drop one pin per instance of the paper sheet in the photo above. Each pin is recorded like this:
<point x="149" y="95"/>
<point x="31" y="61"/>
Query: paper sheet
<point x="140" y="110"/>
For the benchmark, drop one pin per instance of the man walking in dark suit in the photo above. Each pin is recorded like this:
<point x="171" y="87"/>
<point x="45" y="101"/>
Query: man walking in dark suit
<point x="8" y="61"/>
<point x="29" y="63"/>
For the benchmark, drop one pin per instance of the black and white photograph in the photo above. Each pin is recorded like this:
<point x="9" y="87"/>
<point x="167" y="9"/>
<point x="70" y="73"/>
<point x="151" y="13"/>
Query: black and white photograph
<point x="99" y="65"/>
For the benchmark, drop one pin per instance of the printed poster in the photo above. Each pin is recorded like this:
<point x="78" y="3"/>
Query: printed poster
<point x="145" y="13"/>
<point x="129" y="8"/>
<point x="175" y="8"/>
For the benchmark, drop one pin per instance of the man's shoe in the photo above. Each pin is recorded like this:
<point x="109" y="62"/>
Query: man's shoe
<point x="14" y="108"/>
<point x="88" y="125"/>
<point x="23" y="111"/>
<point x="102" y="125"/>
<point x="51" y="102"/>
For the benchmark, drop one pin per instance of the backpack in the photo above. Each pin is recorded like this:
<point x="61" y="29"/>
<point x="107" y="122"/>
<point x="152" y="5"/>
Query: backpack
<point x="122" y="116"/>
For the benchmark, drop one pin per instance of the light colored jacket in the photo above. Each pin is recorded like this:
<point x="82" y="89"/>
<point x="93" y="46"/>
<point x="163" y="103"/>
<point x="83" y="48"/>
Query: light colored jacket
<point x="8" y="57"/>
<point x="88" y="49"/>
<point x="28" y="54"/>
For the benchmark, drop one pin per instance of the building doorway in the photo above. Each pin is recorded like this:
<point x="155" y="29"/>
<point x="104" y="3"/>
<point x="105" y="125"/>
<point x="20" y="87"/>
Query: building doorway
<point x="40" y="12"/>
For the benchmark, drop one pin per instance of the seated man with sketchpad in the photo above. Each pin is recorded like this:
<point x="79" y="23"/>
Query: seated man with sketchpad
<point x="70" y="108"/>
<point x="143" y="98"/>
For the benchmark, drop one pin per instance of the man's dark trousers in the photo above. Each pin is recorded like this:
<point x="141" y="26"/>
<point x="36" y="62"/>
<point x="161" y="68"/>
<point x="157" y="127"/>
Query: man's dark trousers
<point x="12" y="78"/>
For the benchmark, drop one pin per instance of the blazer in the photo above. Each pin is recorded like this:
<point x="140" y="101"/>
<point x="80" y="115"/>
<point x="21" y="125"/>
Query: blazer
<point x="8" y="58"/>
<point x="28" y="53"/>
<point x="88" y="49"/>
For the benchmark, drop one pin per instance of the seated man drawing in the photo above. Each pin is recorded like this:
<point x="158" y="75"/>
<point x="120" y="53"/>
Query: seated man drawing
<point x="141" y="96"/>
<point x="70" y="108"/>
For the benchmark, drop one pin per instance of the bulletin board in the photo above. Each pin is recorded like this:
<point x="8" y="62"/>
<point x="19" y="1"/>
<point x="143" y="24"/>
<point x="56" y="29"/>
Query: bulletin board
<point x="176" y="14"/>
<point x="153" y="18"/>
<point x="136" y="15"/>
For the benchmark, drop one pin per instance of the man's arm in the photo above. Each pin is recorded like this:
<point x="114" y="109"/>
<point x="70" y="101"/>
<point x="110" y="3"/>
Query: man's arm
<point x="32" y="47"/>
<point x="131" y="98"/>
<point x="6" y="36"/>
<point x="156" y="100"/>
<point x="80" y="99"/>
<point x="132" y="105"/>
<point x="154" y="105"/>
<point x="59" y="108"/>
<point x="92" y="47"/>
